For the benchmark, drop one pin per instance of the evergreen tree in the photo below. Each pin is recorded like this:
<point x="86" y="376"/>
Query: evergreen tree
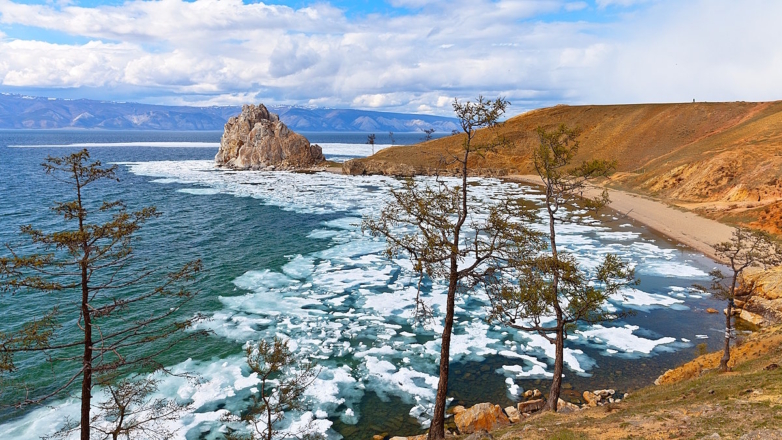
<point x="551" y="284"/>
<point x="284" y="379"/>
<point x="744" y="250"/>
<point x="110" y="315"/>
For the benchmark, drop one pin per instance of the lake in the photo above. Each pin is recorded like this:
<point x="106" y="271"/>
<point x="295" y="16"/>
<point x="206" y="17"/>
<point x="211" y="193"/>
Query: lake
<point x="284" y="255"/>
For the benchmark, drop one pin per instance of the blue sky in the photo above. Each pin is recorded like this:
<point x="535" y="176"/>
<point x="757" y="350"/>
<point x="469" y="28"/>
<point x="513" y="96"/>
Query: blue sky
<point x="395" y="55"/>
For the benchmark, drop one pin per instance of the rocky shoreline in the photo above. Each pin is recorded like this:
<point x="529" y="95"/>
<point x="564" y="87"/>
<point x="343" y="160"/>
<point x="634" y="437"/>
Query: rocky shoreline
<point x="479" y="420"/>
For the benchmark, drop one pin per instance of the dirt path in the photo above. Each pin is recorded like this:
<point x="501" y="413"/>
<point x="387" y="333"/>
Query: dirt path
<point x="685" y="227"/>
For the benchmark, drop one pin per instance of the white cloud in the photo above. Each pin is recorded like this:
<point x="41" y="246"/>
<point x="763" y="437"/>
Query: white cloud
<point x="622" y="3"/>
<point x="40" y="64"/>
<point x="223" y="51"/>
<point x="576" y="6"/>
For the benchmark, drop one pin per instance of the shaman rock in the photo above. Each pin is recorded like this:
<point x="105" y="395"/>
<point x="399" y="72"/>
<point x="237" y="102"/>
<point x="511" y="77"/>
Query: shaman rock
<point x="258" y="140"/>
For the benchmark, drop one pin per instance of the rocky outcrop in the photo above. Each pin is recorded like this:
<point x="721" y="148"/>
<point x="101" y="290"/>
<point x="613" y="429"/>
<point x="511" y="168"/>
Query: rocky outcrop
<point x="764" y="308"/>
<point x="599" y="397"/>
<point x="258" y="140"/>
<point x="481" y="416"/>
<point x="359" y="167"/>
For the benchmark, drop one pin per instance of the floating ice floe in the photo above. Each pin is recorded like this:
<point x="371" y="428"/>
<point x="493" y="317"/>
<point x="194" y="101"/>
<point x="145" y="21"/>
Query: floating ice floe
<point x="623" y="339"/>
<point x="638" y="299"/>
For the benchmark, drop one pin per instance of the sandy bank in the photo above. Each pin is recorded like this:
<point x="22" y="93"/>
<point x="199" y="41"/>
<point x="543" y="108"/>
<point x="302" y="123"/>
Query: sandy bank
<point x="685" y="227"/>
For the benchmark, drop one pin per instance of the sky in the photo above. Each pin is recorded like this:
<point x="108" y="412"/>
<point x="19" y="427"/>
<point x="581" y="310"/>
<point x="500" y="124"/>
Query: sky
<point x="411" y="56"/>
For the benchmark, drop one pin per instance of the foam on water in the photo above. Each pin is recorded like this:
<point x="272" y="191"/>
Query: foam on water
<point x="351" y="309"/>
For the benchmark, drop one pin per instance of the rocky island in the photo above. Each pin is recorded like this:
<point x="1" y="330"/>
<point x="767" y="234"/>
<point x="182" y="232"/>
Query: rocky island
<point x="257" y="139"/>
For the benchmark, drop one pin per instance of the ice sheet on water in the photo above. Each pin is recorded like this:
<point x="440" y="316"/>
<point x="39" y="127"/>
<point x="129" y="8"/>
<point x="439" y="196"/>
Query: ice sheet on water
<point x="623" y="339"/>
<point x="575" y="359"/>
<point x="306" y="193"/>
<point x="513" y="389"/>
<point x="408" y="384"/>
<point x="299" y="267"/>
<point x="640" y="300"/>
<point x="618" y="235"/>
<point x="530" y="367"/>
<point x="671" y="269"/>
<point x="200" y="191"/>
<point x="344" y="151"/>
<point x="258" y="280"/>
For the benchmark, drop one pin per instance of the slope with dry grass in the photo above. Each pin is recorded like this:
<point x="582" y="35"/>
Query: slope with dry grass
<point x="723" y="160"/>
<point x="693" y="402"/>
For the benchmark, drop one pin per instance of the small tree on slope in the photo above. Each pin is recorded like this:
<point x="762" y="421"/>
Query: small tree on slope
<point x="430" y="222"/>
<point x="551" y="292"/>
<point x="371" y="141"/>
<point x="284" y="379"/>
<point x="745" y="249"/>
<point x="109" y="319"/>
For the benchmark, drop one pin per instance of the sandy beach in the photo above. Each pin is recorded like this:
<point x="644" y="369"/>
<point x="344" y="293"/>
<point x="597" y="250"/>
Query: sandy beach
<point x="685" y="227"/>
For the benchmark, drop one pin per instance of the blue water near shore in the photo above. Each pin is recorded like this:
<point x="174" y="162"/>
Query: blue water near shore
<point x="284" y="256"/>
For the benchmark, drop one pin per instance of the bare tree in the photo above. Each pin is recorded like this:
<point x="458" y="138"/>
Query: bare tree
<point x="428" y="134"/>
<point x="745" y="249"/>
<point x="552" y="283"/>
<point x="371" y="141"/>
<point x="391" y="137"/>
<point x="113" y="316"/>
<point x="429" y="221"/>
<point x="284" y="379"/>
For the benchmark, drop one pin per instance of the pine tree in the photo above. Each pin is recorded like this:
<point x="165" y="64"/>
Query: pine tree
<point x="111" y="316"/>
<point x="744" y="250"/>
<point x="552" y="283"/>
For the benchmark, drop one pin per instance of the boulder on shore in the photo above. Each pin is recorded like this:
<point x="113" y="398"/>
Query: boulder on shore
<point x="564" y="407"/>
<point x="481" y="416"/>
<point x="531" y="406"/>
<point x="513" y="414"/>
<point x="532" y="394"/>
<point x="256" y="139"/>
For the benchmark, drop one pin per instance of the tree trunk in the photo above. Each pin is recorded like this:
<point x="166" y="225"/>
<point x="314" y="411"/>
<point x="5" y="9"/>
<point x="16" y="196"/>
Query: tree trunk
<point x="437" y="428"/>
<point x="86" y="384"/>
<point x="726" y="350"/>
<point x="559" y="367"/>
<point x="559" y="358"/>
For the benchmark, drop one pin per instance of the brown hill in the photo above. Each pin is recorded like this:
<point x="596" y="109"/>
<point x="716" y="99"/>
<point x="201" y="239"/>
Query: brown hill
<point x="723" y="160"/>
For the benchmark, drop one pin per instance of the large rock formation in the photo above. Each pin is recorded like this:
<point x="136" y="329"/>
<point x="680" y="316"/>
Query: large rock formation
<point x="258" y="140"/>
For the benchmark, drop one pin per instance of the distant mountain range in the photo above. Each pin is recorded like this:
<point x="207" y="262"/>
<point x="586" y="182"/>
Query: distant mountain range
<point x="30" y="112"/>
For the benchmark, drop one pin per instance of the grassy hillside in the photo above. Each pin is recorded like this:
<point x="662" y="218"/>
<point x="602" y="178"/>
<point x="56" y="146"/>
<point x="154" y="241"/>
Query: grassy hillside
<point x="723" y="160"/>
<point x="693" y="402"/>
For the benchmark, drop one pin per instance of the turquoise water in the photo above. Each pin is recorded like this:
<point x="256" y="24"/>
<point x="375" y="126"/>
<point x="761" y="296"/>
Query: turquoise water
<point x="283" y="256"/>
